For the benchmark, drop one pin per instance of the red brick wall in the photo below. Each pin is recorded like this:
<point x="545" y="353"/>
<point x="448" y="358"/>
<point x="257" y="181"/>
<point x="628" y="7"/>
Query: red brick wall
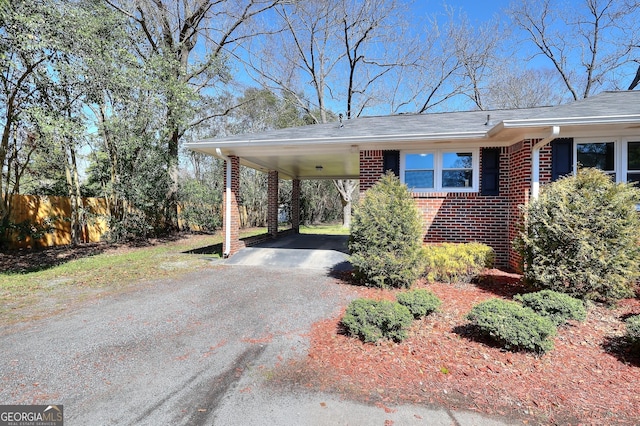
<point x="371" y="165"/>
<point x="466" y="217"/>
<point x="519" y="187"/>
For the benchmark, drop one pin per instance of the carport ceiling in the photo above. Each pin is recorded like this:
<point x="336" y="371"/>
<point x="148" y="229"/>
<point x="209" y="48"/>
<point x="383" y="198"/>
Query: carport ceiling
<point x="337" y="165"/>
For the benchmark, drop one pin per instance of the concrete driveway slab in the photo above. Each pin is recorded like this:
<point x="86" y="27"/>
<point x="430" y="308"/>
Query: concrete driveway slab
<point x="324" y="252"/>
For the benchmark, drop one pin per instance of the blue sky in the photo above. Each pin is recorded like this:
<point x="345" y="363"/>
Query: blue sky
<point x="477" y="11"/>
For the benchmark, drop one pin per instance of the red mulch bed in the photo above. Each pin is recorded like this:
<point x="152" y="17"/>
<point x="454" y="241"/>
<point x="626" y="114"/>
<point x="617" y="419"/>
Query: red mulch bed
<point x="591" y="376"/>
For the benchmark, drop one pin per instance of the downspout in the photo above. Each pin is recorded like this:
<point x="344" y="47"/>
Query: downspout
<point x="227" y="207"/>
<point x="535" y="157"/>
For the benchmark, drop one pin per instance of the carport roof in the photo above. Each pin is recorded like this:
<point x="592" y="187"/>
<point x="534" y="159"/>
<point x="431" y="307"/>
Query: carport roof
<point x="329" y="151"/>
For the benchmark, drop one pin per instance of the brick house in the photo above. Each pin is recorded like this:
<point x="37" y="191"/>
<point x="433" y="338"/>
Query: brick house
<point x="468" y="171"/>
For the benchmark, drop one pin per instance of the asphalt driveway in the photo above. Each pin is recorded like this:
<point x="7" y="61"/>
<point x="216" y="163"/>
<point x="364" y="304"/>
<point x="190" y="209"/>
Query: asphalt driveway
<point x="190" y="351"/>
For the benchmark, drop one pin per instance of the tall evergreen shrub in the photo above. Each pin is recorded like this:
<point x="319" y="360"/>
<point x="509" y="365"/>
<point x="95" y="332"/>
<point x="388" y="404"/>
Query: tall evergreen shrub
<point x="581" y="237"/>
<point x="386" y="236"/>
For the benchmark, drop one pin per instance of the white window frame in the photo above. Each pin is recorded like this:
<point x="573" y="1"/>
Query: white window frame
<point x="620" y="144"/>
<point x="625" y="156"/>
<point x="616" y="152"/>
<point x="438" y="169"/>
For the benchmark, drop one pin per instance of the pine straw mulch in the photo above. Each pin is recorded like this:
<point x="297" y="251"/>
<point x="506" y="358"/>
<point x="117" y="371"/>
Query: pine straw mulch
<point x="591" y="376"/>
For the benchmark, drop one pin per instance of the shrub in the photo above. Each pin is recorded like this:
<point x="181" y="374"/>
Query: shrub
<point x="633" y="329"/>
<point x="558" y="307"/>
<point x="513" y="326"/>
<point x="372" y="320"/>
<point x="580" y="237"/>
<point x="456" y="262"/>
<point x="386" y="234"/>
<point x="420" y="302"/>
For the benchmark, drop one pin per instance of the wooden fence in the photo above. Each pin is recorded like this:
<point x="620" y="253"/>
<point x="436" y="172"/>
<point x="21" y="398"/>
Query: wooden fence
<point x="37" y="210"/>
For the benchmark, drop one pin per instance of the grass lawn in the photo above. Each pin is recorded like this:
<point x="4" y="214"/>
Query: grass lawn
<point x="325" y="229"/>
<point x="59" y="277"/>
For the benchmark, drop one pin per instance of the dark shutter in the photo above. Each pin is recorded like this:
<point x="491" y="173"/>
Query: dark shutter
<point x="490" y="178"/>
<point x="391" y="161"/>
<point x="561" y="157"/>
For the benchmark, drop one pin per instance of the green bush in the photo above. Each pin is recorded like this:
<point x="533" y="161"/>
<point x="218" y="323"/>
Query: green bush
<point x="513" y="326"/>
<point x="420" y="302"/>
<point x="450" y="262"/>
<point x="386" y="236"/>
<point x="580" y="237"/>
<point x="558" y="307"/>
<point x="633" y="329"/>
<point x="372" y="320"/>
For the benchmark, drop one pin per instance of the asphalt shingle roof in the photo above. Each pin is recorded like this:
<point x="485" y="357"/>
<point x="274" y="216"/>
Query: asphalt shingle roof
<point x="603" y="105"/>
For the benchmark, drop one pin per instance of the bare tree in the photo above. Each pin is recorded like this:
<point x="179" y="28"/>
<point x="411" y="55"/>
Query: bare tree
<point x="636" y="79"/>
<point x="590" y="44"/>
<point x="428" y="79"/>
<point x="476" y="50"/>
<point x="513" y="86"/>
<point x="334" y="55"/>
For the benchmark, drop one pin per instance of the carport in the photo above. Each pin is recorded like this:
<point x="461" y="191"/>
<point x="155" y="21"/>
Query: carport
<point x="289" y="154"/>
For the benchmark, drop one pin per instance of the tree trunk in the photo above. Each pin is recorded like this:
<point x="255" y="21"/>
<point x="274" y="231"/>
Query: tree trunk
<point x="346" y="213"/>
<point x="346" y="188"/>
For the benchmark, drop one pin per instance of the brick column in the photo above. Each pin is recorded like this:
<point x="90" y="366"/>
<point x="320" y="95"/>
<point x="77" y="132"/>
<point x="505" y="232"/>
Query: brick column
<point x="235" y="243"/>
<point x="295" y="206"/>
<point x="272" y="200"/>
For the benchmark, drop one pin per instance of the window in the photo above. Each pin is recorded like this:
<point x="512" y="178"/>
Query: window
<point x="419" y="170"/>
<point x="440" y="170"/>
<point x="600" y="155"/>
<point x="619" y="157"/>
<point x="457" y="169"/>
<point x="633" y="162"/>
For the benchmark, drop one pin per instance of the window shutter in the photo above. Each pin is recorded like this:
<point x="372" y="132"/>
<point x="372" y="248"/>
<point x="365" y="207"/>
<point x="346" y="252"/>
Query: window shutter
<point x="391" y="161"/>
<point x="561" y="157"/>
<point x="490" y="184"/>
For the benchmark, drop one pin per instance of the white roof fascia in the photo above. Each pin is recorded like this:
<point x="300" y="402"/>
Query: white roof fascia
<point x="213" y="143"/>
<point x="563" y="121"/>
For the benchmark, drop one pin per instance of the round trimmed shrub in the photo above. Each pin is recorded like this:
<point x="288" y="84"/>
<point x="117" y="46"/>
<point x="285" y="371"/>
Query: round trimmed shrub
<point x="558" y="307"/>
<point x="386" y="236"/>
<point x="372" y="320"/>
<point x="580" y="237"/>
<point x="513" y="326"/>
<point x="633" y="330"/>
<point x="420" y="302"/>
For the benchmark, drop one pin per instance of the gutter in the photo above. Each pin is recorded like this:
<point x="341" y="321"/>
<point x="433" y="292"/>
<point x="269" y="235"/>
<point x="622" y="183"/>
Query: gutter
<point x="227" y="213"/>
<point x="535" y="160"/>
<point x="332" y="140"/>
